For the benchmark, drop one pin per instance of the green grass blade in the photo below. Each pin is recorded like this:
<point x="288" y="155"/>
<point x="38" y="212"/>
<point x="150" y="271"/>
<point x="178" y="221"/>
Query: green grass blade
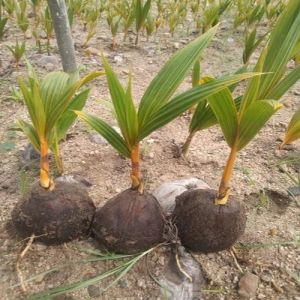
<point x="163" y="86"/>
<point x="106" y="131"/>
<point x="74" y="286"/>
<point x="254" y="118"/>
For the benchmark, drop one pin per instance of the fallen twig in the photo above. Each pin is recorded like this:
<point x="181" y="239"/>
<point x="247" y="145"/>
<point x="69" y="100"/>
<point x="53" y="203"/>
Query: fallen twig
<point x="19" y="260"/>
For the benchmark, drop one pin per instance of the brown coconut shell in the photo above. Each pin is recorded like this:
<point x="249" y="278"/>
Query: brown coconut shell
<point x="204" y="226"/>
<point x="56" y="216"/>
<point x="129" y="223"/>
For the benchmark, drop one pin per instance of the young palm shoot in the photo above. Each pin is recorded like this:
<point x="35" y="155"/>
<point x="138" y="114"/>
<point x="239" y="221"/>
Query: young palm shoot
<point x="133" y="221"/>
<point x="59" y="211"/>
<point x="141" y="13"/>
<point x="17" y="51"/>
<point x="222" y="216"/>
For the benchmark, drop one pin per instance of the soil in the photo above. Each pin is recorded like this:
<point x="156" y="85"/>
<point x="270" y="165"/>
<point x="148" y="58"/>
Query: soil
<point x="269" y="248"/>
<point x="206" y="227"/>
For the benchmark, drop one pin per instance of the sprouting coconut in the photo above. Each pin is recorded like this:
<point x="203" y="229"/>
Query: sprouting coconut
<point x="210" y="220"/>
<point x="54" y="212"/>
<point x="133" y="221"/>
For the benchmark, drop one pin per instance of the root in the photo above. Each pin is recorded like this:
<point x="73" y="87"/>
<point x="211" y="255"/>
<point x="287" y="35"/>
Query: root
<point x="19" y="261"/>
<point x="180" y="267"/>
<point x="233" y="254"/>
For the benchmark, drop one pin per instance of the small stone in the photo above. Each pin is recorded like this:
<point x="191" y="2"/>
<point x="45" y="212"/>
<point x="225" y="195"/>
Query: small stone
<point x="294" y="190"/>
<point x="50" y="67"/>
<point x="141" y="283"/>
<point x="266" y="276"/>
<point x="151" y="155"/>
<point x="94" y="291"/>
<point x="92" y="51"/>
<point x="230" y="40"/>
<point x="123" y="283"/>
<point x="48" y="59"/>
<point x="176" y="45"/>
<point x="97" y="139"/>
<point x="297" y="92"/>
<point x="248" y="285"/>
<point x="75" y="179"/>
<point x="118" y="59"/>
<point x="30" y="153"/>
<point x="161" y="260"/>
<point x="40" y="247"/>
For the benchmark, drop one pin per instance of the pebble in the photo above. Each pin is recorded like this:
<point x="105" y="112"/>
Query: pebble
<point x="176" y="45"/>
<point x="230" y="40"/>
<point x="118" y="59"/>
<point x="75" y="179"/>
<point x="161" y="260"/>
<point x="93" y="51"/>
<point x="30" y="153"/>
<point x="248" y="285"/>
<point x="94" y="291"/>
<point x="141" y="283"/>
<point x="50" y="67"/>
<point x="123" y="283"/>
<point x="47" y="59"/>
<point x="294" y="190"/>
<point x="297" y="92"/>
<point x="97" y="139"/>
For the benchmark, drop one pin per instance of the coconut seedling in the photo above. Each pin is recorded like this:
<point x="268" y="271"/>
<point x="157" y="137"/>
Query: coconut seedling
<point x="141" y="13"/>
<point x="17" y="50"/>
<point x="210" y="220"/>
<point x="22" y="19"/>
<point x="47" y="26"/>
<point x="3" y="30"/>
<point x="113" y="21"/>
<point x="55" y="212"/>
<point x="133" y="220"/>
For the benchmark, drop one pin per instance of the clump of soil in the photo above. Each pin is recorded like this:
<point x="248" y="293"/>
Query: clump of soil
<point x="56" y="216"/>
<point x="204" y="226"/>
<point x="129" y="223"/>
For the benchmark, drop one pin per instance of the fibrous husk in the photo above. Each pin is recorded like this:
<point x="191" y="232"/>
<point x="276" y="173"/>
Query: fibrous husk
<point x="56" y="216"/>
<point x="129" y="223"/>
<point x="204" y="226"/>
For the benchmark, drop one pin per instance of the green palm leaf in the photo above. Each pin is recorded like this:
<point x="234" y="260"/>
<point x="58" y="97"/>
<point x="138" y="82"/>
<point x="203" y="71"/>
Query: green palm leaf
<point x="123" y="106"/>
<point x="30" y="132"/>
<point x="182" y="102"/>
<point x="223" y="106"/>
<point x="106" y="131"/>
<point x="68" y="117"/>
<point x="254" y="118"/>
<point x="163" y="86"/>
<point x="293" y="130"/>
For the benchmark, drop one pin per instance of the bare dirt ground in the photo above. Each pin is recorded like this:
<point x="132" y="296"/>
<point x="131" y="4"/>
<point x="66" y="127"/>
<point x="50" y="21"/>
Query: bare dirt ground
<point x="270" y="246"/>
